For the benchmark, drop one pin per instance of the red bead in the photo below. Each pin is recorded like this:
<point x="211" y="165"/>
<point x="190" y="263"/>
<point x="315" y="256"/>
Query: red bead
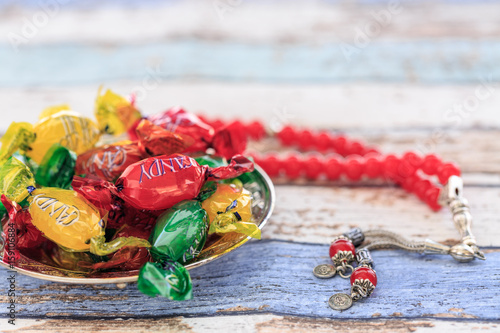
<point x="391" y="168"/>
<point x="339" y="144"/>
<point x="287" y="136"/>
<point x="413" y="159"/>
<point x="271" y="165"/>
<point x="410" y="162"/>
<point x="333" y="168"/>
<point x="256" y="130"/>
<point x="409" y="183"/>
<point x="342" y="245"/>
<point x="447" y="170"/>
<point x="323" y="142"/>
<point x="421" y="187"/>
<point x="353" y="169"/>
<point x="364" y="273"/>
<point x="373" y="167"/>
<point x="431" y="198"/>
<point x="292" y="166"/>
<point x="306" y="139"/>
<point x="355" y="147"/>
<point x="372" y="151"/>
<point x="430" y="164"/>
<point x="313" y="167"/>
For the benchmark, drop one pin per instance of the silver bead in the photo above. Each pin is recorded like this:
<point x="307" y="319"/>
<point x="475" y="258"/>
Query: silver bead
<point x="356" y="236"/>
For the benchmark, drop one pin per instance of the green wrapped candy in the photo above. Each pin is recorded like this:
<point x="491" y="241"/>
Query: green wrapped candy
<point x="15" y="177"/>
<point x="168" y="279"/>
<point x="179" y="236"/>
<point x="211" y="161"/>
<point x="57" y="168"/>
<point x="180" y="232"/>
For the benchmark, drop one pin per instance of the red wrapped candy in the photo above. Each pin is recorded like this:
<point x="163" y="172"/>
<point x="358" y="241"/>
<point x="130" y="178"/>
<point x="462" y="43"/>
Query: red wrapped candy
<point x="26" y="235"/>
<point x="155" y="140"/>
<point x="108" y="162"/>
<point x="187" y="125"/>
<point x="158" y="183"/>
<point x="104" y="197"/>
<point x="196" y="135"/>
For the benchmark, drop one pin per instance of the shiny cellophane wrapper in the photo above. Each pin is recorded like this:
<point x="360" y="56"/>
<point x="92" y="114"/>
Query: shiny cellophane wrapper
<point x="42" y="264"/>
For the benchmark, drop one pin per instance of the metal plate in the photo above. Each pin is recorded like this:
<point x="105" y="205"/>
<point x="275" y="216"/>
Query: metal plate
<point x="257" y="182"/>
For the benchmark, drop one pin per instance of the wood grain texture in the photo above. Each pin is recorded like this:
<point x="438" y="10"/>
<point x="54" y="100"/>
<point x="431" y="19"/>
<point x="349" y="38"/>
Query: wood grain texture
<point x="392" y="114"/>
<point x="425" y="61"/>
<point x="317" y="214"/>
<point x="276" y="277"/>
<point x="224" y="20"/>
<point x="265" y="323"/>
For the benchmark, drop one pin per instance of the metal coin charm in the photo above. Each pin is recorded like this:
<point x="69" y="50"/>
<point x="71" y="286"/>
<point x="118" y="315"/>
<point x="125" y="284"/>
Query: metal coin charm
<point x="340" y="302"/>
<point x="324" y="271"/>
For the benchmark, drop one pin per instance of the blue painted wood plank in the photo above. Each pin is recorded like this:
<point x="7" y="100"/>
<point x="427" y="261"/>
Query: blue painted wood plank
<point x="431" y="61"/>
<point x="276" y="277"/>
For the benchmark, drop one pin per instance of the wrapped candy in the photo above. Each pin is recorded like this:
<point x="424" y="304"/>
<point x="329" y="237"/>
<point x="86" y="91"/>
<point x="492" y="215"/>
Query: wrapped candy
<point x="67" y="128"/>
<point x="69" y="220"/>
<point x="18" y="136"/>
<point x="158" y="183"/>
<point x="127" y="258"/>
<point x="154" y="140"/>
<point x="179" y="235"/>
<point x="230" y="210"/>
<point x="115" y="114"/>
<point x="108" y="162"/>
<point x="186" y="125"/>
<point x="151" y="217"/>
<point x="168" y="279"/>
<point x="47" y="112"/>
<point x="210" y="160"/>
<point x="28" y="236"/>
<point x="104" y="197"/>
<point x="15" y="176"/>
<point x="226" y="141"/>
<point x="57" y="167"/>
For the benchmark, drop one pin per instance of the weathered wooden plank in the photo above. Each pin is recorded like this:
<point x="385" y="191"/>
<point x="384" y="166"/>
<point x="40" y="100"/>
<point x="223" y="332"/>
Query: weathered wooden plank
<point x="427" y="61"/>
<point x="317" y="214"/>
<point x="275" y="277"/>
<point x="298" y="21"/>
<point x="247" y="323"/>
<point x="380" y="108"/>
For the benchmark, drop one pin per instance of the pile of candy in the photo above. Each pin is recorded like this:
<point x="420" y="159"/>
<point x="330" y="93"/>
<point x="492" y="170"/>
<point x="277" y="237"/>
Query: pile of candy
<point x="146" y="203"/>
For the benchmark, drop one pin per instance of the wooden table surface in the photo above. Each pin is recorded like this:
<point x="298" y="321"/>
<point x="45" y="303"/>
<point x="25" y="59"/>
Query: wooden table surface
<point x="426" y="79"/>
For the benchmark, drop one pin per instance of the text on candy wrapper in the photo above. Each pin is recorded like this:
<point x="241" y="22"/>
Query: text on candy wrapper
<point x="160" y="167"/>
<point x="64" y="214"/>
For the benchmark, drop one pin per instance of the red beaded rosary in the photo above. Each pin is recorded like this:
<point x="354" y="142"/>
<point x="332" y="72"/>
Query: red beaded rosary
<point x="352" y="159"/>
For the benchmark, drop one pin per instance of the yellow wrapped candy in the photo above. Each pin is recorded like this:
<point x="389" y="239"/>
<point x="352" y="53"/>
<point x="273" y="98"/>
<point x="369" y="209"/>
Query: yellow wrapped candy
<point x="68" y="128"/>
<point x="47" y="112"/>
<point x="230" y="210"/>
<point x="114" y="113"/>
<point x="68" y="219"/>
